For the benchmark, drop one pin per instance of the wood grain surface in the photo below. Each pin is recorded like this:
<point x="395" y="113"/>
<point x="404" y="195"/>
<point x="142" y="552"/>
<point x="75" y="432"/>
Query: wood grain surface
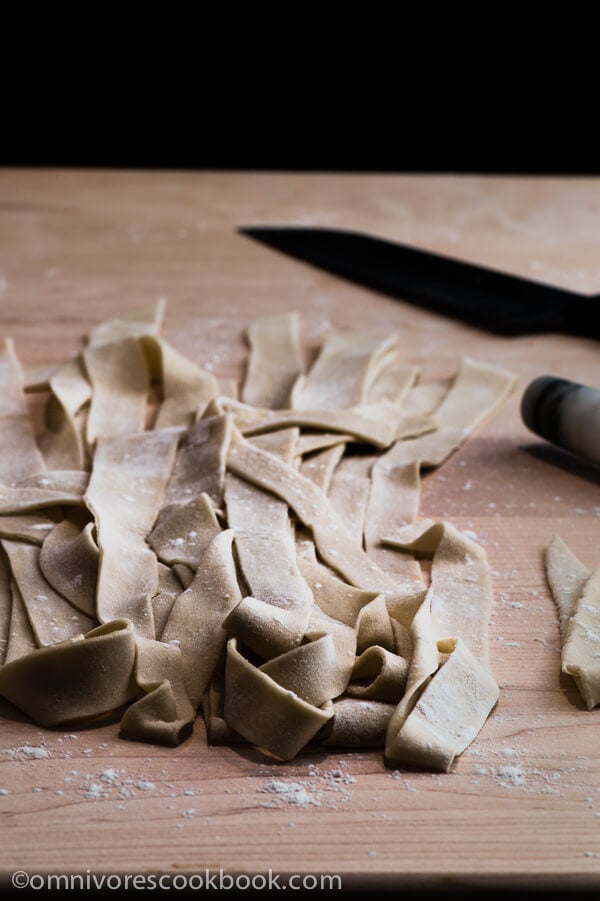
<point x="522" y="804"/>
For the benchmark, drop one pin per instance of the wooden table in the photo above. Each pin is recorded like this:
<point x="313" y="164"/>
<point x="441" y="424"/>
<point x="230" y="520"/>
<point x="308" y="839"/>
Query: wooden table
<point x="76" y="247"/>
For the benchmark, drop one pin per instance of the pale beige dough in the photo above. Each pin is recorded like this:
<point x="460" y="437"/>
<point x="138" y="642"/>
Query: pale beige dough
<point x="320" y="466"/>
<point x="32" y="527"/>
<point x="379" y="675"/>
<point x="273" y="571"/>
<point x="199" y="464"/>
<point x="163" y="715"/>
<point x="120" y="382"/>
<point x="183" y="534"/>
<point x="348" y="492"/>
<point x="144" y="320"/>
<point x="567" y="578"/>
<point x="275" y="360"/>
<point x="21" y="638"/>
<point x="370" y="424"/>
<point x="576" y="593"/>
<point x="5" y="609"/>
<point x="100" y="665"/>
<point x="311" y="506"/>
<point x="444" y="707"/>
<point x="63" y="442"/>
<point x="19" y="454"/>
<point x="195" y="623"/>
<point x="357" y="724"/>
<point x="52" y="618"/>
<point x="125" y="493"/>
<point x="69" y="561"/>
<point x="185" y="388"/>
<point x="286" y="723"/>
<point x="344" y="371"/>
<point x="263" y="532"/>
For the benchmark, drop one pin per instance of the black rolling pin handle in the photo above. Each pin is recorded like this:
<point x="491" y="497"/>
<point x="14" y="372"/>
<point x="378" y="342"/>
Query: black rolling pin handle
<point x="565" y="413"/>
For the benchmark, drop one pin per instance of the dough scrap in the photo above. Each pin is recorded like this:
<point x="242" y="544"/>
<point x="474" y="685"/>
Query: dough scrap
<point x="576" y="593"/>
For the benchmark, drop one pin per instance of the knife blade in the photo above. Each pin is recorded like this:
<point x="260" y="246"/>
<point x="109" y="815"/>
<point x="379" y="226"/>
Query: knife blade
<point x="487" y="298"/>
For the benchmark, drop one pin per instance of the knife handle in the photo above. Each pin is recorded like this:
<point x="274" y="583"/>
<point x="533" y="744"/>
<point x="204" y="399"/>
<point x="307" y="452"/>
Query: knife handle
<point x="564" y="413"/>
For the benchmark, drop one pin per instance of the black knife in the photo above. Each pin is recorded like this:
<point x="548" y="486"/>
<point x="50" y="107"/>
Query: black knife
<point x="496" y="301"/>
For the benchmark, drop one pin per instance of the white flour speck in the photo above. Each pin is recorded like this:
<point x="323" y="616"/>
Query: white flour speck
<point x="144" y="786"/>
<point x="291" y="793"/>
<point x="35" y="753"/>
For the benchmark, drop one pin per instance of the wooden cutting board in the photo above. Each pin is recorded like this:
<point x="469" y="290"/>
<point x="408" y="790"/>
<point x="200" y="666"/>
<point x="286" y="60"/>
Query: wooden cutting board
<point x="523" y="803"/>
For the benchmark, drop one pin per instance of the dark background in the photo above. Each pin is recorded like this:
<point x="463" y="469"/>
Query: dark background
<point x="259" y="90"/>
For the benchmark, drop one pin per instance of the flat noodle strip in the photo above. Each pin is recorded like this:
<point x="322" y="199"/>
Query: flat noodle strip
<point x="184" y="534"/>
<point x="125" y="493"/>
<point x="378" y="425"/>
<point x="448" y="714"/>
<point x="314" y="441"/>
<point x="344" y="371"/>
<point x="393" y="384"/>
<point x="436" y="720"/>
<point x="199" y="465"/>
<point x="26" y="500"/>
<point x="69" y="561"/>
<point x="52" y="618"/>
<point x="357" y="724"/>
<point x="349" y="492"/>
<point x="337" y="599"/>
<point x="394" y="500"/>
<point x="21" y="640"/>
<point x="461" y="585"/>
<point x="263" y="532"/>
<point x="120" y="382"/>
<point x="185" y="388"/>
<point x="275" y="360"/>
<point x="162" y="603"/>
<point x="5" y="609"/>
<point x="312" y="508"/>
<point x="286" y="723"/>
<point x="196" y="620"/>
<point x="145" y="320"/>
<point x="311" y="671"/>
<point x="320" y="467"/>
<point x="19" y="454"/>
<point x="27" y="527"/>
<point x="62" y="443"/>
<point x="75" y="681"/>
<point x="70" y="481"/>
<point x="164" y="714"/>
